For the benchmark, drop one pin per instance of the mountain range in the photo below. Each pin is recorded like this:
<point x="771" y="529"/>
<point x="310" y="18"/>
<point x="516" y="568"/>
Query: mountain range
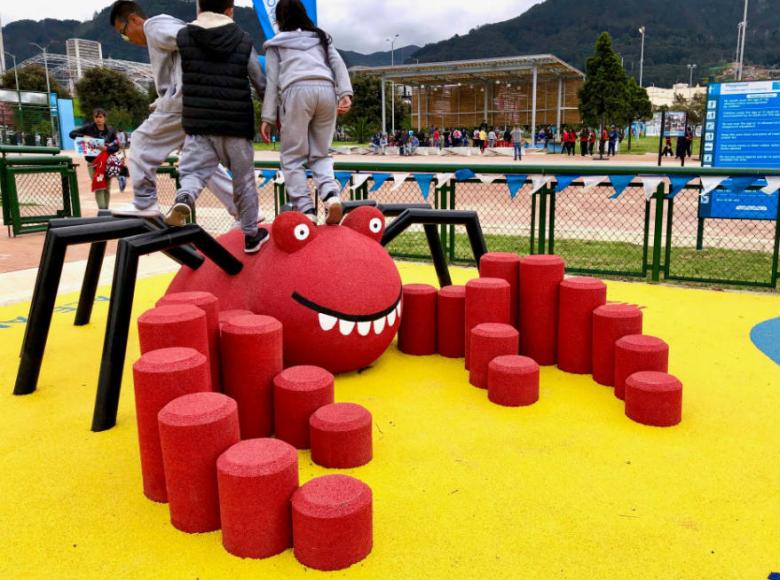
<point x="701" y="32"/>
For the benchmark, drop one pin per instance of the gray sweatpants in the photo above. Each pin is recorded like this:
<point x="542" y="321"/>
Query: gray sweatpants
<point x="308" y="116"/>
<point x="201" y="157"/>
<point x="159" y="136"/>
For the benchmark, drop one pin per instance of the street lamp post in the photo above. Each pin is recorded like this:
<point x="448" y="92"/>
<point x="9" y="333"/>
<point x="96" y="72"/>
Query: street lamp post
<point x="48" y="86"/>
<point x="741" y="61"/>
<point x="18" y="89"/>
<point x="392" y="83"/>
<point x="691" y="68"/>
<point x="642" y="31"/>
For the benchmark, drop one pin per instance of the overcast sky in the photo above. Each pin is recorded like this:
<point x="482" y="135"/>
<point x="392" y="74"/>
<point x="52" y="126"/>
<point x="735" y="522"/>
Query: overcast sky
<point x="360" y="25"/>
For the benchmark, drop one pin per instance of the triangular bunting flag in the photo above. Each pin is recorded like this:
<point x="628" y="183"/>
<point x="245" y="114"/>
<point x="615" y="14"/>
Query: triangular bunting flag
<point x="678" y="183"/>
<point x="710" y="183"/>
<point x="488" y="179"/>
<point x="279" y="178"/>
<point x="538" y="182"/>
<point x="772" y="185"/>
<point x="267" y="175"/>
<point x="651" y="183"/>
<point x="740" y="184"/>
<point x="564" y="181"/>
<point x="424" y="180"/>
<point x="343" y="177"/>
<point x="443" y="179"/>
<point x="620" y="183"/>
<point x="590" y="181"/>
<point x="399" y="179"/>
<point x="464" y="174"/>
<point x="515" y="183"/>
<point x="359" y="179"/>
<point x="379" y="180"/>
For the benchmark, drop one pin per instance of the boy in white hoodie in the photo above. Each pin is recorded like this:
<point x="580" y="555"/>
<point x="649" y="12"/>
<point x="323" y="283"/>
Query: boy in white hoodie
<point x="309" y="84"/>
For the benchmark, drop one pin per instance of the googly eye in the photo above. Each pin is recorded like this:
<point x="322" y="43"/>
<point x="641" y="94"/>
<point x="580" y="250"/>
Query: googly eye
<point x="302" y="232"/>
<point x="375" y="225"/>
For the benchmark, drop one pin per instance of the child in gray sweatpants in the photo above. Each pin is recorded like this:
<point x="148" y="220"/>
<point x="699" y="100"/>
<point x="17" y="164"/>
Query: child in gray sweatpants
<point x="218" y="62"/>
<point x="309" y="84"/>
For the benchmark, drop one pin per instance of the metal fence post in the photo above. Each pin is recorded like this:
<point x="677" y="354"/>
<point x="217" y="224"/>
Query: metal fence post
<point x="659" y="226"/>
<point x="551" y="231"/>
<point x="776" y="257"/>
<point x="451" y="239"/>
<point x="542" y="220"/>
<point x="668" y="252"/>
<point x="532" y="236"/>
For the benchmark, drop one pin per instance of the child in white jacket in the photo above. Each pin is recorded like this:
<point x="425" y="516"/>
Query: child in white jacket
<point x="309" y="85"/>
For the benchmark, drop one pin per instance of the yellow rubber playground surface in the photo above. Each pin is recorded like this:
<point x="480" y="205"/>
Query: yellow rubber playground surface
<point x="567" y="488"/>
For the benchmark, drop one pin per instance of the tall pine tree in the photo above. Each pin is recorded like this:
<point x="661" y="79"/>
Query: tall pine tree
<point x="604" y="98"/>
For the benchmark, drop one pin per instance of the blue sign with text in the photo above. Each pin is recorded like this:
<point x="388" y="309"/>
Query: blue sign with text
<point x="739" y="205"/>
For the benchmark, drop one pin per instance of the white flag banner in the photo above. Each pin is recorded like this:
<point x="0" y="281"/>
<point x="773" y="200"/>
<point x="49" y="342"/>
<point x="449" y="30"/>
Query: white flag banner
<point x="359" y="179"/>
<point x="399" y="179"/>
<point x="591" y="181"/>
<point x="651" y="183"/>
<point x="538" y="182"/>
<point x="279" y="178"/>
<point x="488" y="178"/>
<point x="710" y="182"/>
<point x="772" y="185"/>
<point x="443" y="179"/>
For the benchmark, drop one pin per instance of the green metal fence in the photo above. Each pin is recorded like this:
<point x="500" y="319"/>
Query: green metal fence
<point x="36" y="185"/>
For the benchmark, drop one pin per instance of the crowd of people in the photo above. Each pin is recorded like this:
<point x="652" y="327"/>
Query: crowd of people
<point x="607" y="139"/>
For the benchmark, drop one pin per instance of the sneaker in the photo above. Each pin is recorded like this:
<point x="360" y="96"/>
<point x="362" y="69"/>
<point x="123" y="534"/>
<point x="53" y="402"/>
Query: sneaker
<point x="252" y="244"/>
<point x="130" y="210"/>
<point x="181" y="211"/>
<point x="334" y="210"/>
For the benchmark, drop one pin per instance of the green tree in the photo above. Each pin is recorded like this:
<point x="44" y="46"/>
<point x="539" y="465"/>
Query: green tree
<point x="639" y="107"/>
<point x="695" y="107"/>
<point x="111" y="90"/>
<point x="367" y="103"/>
<point x="32" y="78"/>
<point x="605" y="94"/>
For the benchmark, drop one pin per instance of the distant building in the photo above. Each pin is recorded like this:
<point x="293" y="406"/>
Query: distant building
<point x="660" y="97"/>
<point x="83" y="55"/>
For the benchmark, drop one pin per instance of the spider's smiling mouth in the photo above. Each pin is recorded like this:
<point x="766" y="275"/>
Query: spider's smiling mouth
<point x="330" y="319"/>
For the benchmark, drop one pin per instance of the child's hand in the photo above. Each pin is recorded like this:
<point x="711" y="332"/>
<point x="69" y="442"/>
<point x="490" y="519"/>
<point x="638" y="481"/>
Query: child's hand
<point x="345" y="104"/>
<point x="265" y="132"/>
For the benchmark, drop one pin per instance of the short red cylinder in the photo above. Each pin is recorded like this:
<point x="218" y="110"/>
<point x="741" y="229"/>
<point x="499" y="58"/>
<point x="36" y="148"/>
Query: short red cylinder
<point x="451" y="337"/>
<point x="252" y="355"/>
<point x="635" y="353"/>
<point x="611" y="322"/>
<point x="505" y="266"/>
<point x="487" y="300"/>
<point x="227" y="316"/>
<point x="489" y="341"/>
<point x="513" y="381"/>
<point x="579" y="297"/>
<point x="182" y="325"/>
<point x="257" y="479"/>
<point x="341" y="436"/>
<point x="654" y="398"/>
<point x="209" y="304"/>
<point x="540" y="279"/>
<point x="298" y="393"/>
<point x="194" y="431"/>
<point x="417" y="334"/>
<point x="160" y="376"/>
<point x="332" y="522"/>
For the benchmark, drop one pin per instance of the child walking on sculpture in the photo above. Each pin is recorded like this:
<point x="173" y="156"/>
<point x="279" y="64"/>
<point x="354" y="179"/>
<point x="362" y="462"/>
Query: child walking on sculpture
<point x="218" y="62"/>
<point x="309" y="85"/>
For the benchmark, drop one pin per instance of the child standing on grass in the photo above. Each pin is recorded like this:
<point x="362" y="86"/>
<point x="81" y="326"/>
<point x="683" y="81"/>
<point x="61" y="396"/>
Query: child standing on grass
<point x="218" y="62"/>
<point x="309" y="84"/>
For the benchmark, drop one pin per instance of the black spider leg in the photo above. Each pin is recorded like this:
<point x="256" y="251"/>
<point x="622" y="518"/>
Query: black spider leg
<point x="389" y="210"/>
<point x="61" y="234"/>
<point x="429" y="219"/>
<point x="120" y="308"/>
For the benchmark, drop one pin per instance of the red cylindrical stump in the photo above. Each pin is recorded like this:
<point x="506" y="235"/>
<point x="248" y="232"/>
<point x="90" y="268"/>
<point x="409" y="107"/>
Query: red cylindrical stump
<point x="209" y="304"/>
<point x="635" y="353"/>
<point x="332" y="522"/>
<point x="611" y="322"/>
<point x="489" y="341"/>
<point x="298" y="393"/>
<point x="654" y="398"/>
<point x="505" y="266"/>
<point x="183" y="325"/>
<point x="452" y="321"/>
<point x="540" y="279"/>
<point x="513" y="381"/>
<point x="579" y="297"/>
<point x="341" y="436"/>
<point x="194" y="431"/>
<point x="160" y="376"/>
<point x="487" y="300"/>
<point x="417" y="334"/>
<point x="252" y="355"/>
<point x="257" y="479"/>
<point x="227" y="316"/>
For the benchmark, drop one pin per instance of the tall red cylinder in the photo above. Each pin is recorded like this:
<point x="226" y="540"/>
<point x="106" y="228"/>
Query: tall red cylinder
<point x="341" y="436"/>
<point x="160" y="376"/>
<point x="611" y="322"/>
<point x="505" y="266"/>
<point x="579" y="297"/>
<point x="298" y="393"/>
<point x="654" y="399"/>
<point x="540" y="279"/>
<point x="417" y="334"/>
<point x="487" y="300"/>
<point x="252" y="355"/>
<point x="489" y="341"/>
<point x="635" y="353"/>
<point x="332" y="522"/>
<point x="227" y="316"/>
<point x="210" y="305"/>
<point x="182" y="325"/>
<point x="451" y="337"/>
<point x="194" y="431"/>
<point x="257" y="479"/>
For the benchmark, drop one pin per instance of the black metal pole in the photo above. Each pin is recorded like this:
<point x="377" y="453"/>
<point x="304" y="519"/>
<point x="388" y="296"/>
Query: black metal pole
<point x="97" y="253"/>
<point x="437" y="253"/>
<point x="661" y="139"/>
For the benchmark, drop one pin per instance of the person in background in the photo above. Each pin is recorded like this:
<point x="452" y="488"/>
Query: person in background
<point x="516" y="137"/>
<point x="668" y="152"/>
<point x="98" y="129"/>
<point x="483" y="139"/>
<point x="507" y="137"/>
<point x="689" y="141"/>
<point x="564" y="141"/>
<point x="436" y="138"/>
<point x="584" y="135"/>
<point x="591" y="141"/>
<point x="491" y="138"/>
<point x="603" y="141"/>
<point x="475" y="138"/>
<point x="613" y="139"/>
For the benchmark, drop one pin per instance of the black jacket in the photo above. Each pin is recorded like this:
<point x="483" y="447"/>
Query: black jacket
<point x="216" y="88"/>
<point x="90" y="130"/>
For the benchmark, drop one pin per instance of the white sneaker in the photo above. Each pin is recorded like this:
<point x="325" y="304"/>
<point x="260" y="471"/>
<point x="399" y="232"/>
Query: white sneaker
<point x="334" y="211"/>
<point x="130" y="210"/>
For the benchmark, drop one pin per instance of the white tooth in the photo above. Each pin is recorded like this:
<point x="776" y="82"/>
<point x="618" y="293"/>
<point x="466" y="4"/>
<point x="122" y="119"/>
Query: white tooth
<point x="379" y="325"/>
<point x="346" y="327"/>
<point x="327" y="322"/>
<point x="398" y="309"/>
<point x="364" y="328"/>
<point x="391" y="318"/>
